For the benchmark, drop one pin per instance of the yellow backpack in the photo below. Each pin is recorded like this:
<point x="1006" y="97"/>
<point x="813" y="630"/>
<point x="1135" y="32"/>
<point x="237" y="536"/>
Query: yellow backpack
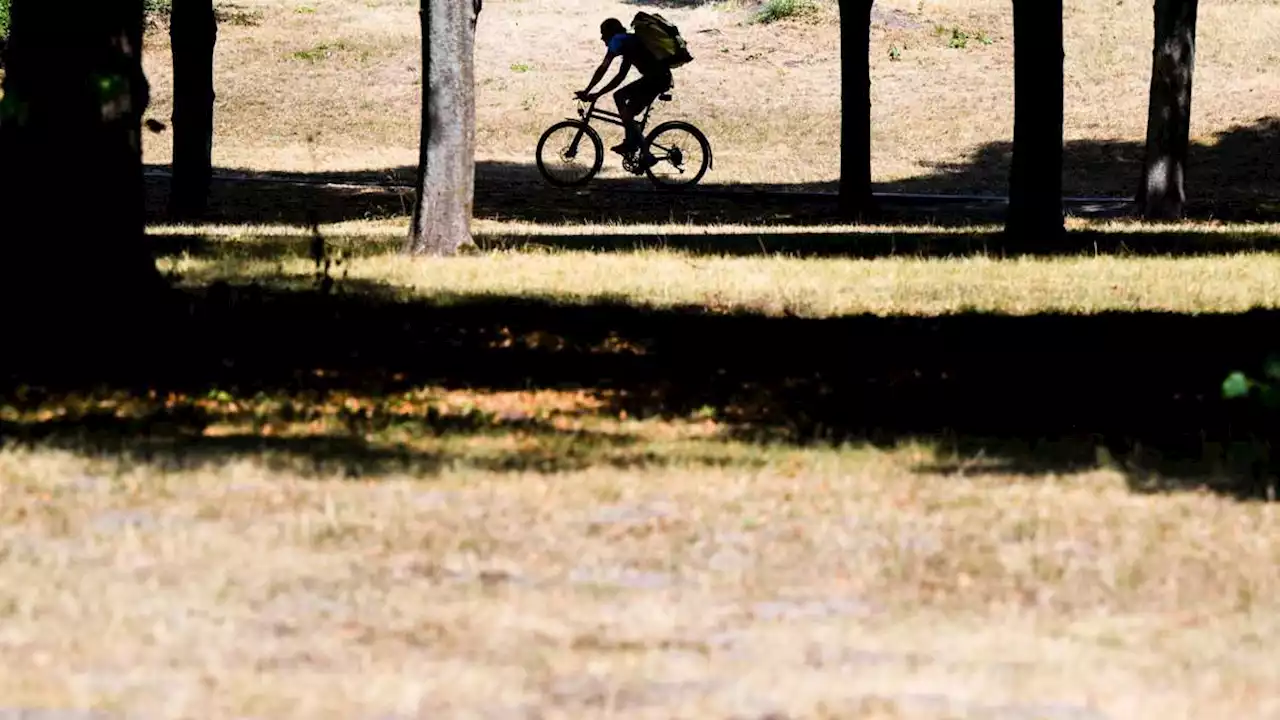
<point x="662" y="39"/>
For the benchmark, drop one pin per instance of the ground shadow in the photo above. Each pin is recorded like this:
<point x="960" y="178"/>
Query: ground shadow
<point x="1042" y="393"/>
<point x="1236" y="178"/>
<point x="508" y="191"/>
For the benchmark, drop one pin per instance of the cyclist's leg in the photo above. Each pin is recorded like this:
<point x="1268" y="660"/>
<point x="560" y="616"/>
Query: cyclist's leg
<point x="633" y="99"/>
<point x="628" y="99"/>
<point x="658" y="84"/>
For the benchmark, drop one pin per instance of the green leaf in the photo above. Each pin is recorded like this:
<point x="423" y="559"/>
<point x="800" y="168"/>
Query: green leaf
<point x="1236" y="385"/>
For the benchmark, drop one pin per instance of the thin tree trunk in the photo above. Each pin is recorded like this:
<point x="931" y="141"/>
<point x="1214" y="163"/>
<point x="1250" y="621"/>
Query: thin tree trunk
<point x="446" y="160"/>
<point x="71" y="184"/>
<point x="1162" y="193"/>
<point x="855" y="107"/>
<point x="193" y="32"/>
<point x="1035" y="179"/>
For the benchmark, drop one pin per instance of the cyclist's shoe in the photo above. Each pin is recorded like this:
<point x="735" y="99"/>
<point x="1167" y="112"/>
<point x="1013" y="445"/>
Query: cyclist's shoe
<point x="647" y="161"/>
<point x="625" y="148"/>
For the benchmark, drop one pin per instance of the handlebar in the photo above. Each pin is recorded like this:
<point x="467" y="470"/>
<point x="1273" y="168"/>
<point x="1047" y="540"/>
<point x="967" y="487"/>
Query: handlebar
<point x="589" y="105"/>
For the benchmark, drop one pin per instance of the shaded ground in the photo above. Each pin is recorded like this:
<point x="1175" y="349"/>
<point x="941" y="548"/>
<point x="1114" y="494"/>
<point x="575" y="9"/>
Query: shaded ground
<point x="1234" y="179"/>
<point x="1033" y="393"/>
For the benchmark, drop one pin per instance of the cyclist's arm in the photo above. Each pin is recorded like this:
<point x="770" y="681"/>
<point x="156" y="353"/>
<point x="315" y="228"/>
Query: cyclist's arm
<point x="600" y="71"/>
<point x="617" y="79"/>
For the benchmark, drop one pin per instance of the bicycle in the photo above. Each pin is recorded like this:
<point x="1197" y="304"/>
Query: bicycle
<point x="669" y="152"/>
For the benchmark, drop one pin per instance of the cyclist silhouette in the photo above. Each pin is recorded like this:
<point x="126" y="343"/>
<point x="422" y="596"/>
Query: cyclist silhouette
<point x="631" y="100"/>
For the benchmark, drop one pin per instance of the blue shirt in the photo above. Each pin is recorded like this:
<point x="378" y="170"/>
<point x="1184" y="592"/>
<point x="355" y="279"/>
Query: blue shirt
<point x="633" y="51"/>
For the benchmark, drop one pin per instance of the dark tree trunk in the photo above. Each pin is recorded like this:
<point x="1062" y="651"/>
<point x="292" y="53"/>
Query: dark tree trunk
<point x="1035" y="180"/>
<point x="1162" y="193"/>
<point x="71" y="185"/>
<point x="446" y="160"/>
<point x="193" y="33"/>
<point x="855" y="108"/>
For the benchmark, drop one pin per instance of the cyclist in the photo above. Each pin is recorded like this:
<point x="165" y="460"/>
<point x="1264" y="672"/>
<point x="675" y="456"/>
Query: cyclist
<point x="631" y="100"/>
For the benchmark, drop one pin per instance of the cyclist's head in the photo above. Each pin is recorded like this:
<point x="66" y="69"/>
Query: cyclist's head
<point x="611" y="27"/>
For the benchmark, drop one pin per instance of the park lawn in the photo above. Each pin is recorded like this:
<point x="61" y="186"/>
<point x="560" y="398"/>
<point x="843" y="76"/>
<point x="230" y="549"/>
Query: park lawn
<point x="430" y="549"/>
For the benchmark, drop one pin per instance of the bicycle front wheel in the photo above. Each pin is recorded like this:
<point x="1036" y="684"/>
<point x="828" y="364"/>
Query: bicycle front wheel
<point x="569" y="153"/>
<point x="681" y="152"/>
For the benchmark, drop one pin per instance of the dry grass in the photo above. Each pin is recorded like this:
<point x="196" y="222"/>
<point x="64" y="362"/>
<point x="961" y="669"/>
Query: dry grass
<point x="770" y="284"/>
<point x="817" y="584"/>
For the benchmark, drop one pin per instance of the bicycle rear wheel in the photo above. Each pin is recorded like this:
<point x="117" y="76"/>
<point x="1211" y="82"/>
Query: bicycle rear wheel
<point x="681" y="152"/>
<point x="564" y="159"/>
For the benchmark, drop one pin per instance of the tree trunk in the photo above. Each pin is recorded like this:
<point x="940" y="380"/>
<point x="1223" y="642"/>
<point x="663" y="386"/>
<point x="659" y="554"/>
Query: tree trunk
<point x="855" y="107"/>
<point x="1035" y="179"/>
<point x="193" y="33"/>
<point x="71" y="184"/>
<point x="1161" y="193"/>
<point x="446" y="159"/>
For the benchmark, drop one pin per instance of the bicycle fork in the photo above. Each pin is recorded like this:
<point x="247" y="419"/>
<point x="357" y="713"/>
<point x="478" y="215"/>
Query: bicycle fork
<point x="572" y="151"/>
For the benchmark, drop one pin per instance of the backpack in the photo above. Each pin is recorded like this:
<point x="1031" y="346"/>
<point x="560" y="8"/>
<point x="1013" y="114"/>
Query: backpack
<point x="661" y="39"/>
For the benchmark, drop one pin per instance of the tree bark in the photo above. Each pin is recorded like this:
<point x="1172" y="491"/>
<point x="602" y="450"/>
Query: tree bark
<point x="71" y="184"/>
<point x="446" y="159"/>
<point x="856" y="199"/>
<point x="1162" y="193"/>
<point x="1035" y="179"/>
<point x="193" y="34"/>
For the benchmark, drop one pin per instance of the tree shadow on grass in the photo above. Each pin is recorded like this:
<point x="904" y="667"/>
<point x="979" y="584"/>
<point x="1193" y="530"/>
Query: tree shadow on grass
<point x="1235" y="178"/>
<point x="180" y="436"/>
<point x="1033" y="394"/>
<point x="515" y="192"/>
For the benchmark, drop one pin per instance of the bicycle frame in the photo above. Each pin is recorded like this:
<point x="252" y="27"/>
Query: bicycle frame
<point x="591" y="112"/>
<point x="613" y="118"/>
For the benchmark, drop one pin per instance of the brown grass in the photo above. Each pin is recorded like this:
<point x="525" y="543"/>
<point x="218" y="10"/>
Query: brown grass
<point x="771" y="284"/>
<point x="813" y="583"/>
<point x="820" y="585"/>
